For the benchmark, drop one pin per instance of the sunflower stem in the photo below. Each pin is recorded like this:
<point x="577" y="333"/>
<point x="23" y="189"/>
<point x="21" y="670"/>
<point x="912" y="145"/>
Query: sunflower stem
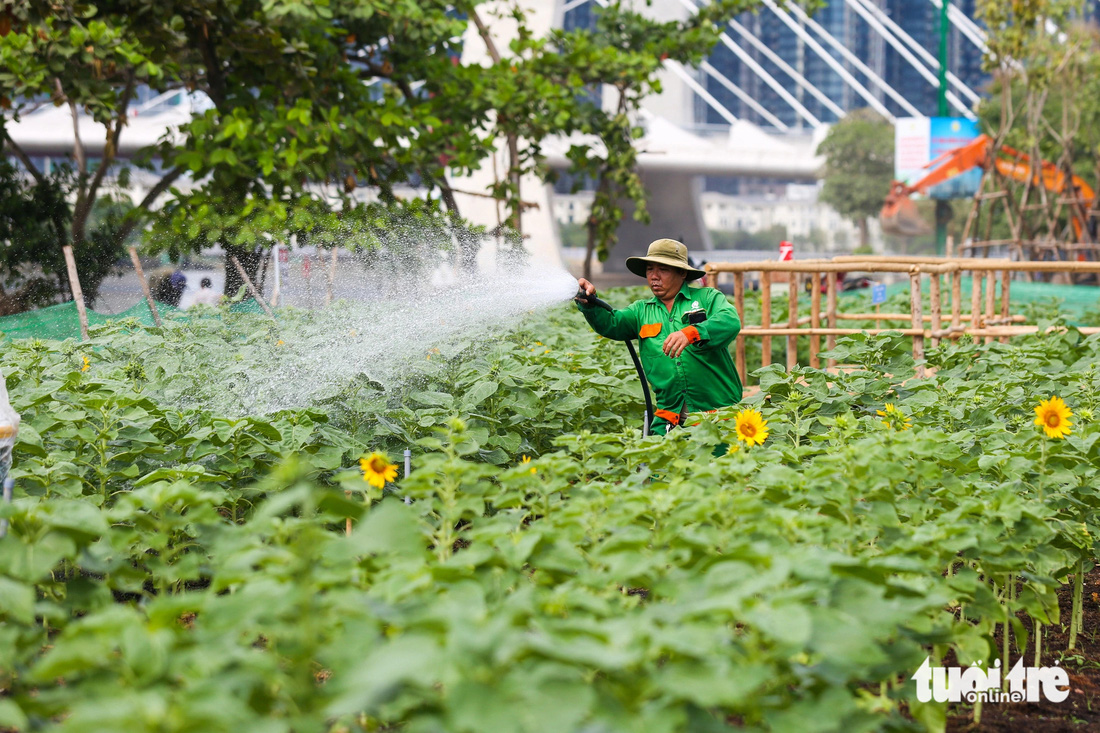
<point x="1081" y="597"/>
<point x="347" y="522"/>
<point x="1078" y="586"/>
<point x="1008" y="616"/>
<point x="1042" y="468"/>
<point x="1038" y="642"/>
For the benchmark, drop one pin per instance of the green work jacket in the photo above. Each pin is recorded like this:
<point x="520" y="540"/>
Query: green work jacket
<point x="703" y="377"/>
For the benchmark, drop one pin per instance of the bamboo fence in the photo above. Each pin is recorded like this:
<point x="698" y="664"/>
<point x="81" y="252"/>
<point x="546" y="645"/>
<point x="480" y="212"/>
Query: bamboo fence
<point x="988" y="318"/>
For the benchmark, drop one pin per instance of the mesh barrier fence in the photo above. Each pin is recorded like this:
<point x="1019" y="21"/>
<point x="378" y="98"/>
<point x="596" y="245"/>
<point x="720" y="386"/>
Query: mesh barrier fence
<point x="62" y="321"/>
<point x="1079" y="304"/>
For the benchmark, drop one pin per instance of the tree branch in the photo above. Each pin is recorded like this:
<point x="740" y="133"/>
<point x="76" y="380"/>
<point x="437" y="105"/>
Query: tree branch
<point x="131" y="220"/>
<point x="24" y="159"/>
<point x="110" y="149"/>
<point x="513" y="141"/>
<point x="78" y="144"/>
<point x="214" y="74"/>
<point x="446" y="192"/>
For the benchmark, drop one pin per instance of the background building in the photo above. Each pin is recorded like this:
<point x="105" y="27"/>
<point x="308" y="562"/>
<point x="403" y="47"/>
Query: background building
<point x="920" y="19"/>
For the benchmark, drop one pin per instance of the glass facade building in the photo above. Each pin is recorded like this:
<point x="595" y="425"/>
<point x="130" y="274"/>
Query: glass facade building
<point x="838" y="18"/>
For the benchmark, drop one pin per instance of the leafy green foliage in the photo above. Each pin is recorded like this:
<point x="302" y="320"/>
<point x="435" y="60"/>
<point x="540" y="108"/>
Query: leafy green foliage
<point x="1043" y="103"/>
<point x="71" y="55"/>
<point x="859" y="165"/>
<point x="170" y="567"/>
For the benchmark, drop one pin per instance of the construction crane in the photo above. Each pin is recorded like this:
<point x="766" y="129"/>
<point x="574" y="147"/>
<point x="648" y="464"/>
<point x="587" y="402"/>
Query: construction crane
<point x="899" y="214"/>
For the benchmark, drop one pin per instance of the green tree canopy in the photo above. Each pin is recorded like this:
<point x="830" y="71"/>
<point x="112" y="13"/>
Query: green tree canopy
<point x="859" y="166"/>
<point x="313" y="102"/>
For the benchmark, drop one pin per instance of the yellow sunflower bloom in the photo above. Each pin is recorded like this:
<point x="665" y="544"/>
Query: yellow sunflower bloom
<point x="1053" y="417"/>
<point x="377" y="469"/>
<point x="527" y="459"/>
<point x="752" y="428"/>
<point x="895" y="418"/>
<point x="87" y="364"/>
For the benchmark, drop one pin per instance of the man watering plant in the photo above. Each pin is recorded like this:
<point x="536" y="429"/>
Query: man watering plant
<point x="683" y="332"/>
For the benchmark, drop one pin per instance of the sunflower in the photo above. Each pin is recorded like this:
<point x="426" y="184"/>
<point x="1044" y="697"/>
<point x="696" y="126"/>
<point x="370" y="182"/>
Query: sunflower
<point x="87" y="364"/>
<point x="752" y="428"/>
<point x="1053" y="417"/>
<point x="377" y="469"/>
<point x="895" y="418"/>
<point x="527" y="459"/>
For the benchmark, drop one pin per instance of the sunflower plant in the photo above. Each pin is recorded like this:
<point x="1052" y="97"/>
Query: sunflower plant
<point x="610" y="581"/>
<point x="1053" y="416"/>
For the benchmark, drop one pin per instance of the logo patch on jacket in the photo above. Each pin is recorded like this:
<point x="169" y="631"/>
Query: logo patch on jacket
<point x="649" y="329"/>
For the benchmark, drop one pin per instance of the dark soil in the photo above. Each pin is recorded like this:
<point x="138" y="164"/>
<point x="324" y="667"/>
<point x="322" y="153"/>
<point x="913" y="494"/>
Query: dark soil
<point x="1078" y="712"/>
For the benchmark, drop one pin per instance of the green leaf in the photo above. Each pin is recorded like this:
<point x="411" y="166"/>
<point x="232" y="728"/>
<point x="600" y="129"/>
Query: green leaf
<point x="18" y="602"/>
<point x="12" y="716"/>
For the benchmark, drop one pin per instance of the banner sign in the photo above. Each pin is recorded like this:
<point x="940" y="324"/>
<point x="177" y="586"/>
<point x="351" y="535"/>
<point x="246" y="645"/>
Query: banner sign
<point x="920" y="140"/>
<point x="786" y="251"/>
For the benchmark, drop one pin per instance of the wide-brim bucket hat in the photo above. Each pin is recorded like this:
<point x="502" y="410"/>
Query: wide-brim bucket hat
<point x="665" y="252"/>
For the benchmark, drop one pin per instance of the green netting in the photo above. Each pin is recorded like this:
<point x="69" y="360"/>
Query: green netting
<point x="1077" y="303"/>
<point x="62" y="321"/>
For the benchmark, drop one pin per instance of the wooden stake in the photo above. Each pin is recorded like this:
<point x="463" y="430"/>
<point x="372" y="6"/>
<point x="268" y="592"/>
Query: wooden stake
<point x="78" y="294"/>
<point x="976" y="298"/>
<point x="250" y="286"/>
<point x="815" y="319"/>
<point x="934" y="302"/>
<point x="950" y="252"/>
<point x="990" y="293"/>
<point x="1006" y="278"/>
<point x="830" y="313"/>
<point x="792" y="319"/>
<point x="739" y="304"/>
<point x="956" y="298"/>
<point x="765" y="318"/>
<point x="916" y="308"/>
<point x="144" y="285"/>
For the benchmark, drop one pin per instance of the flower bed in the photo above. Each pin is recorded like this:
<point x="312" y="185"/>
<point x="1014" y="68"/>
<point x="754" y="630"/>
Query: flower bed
<point x="168" y="567"/>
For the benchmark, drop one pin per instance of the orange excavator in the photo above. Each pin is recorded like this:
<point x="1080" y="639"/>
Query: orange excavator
<point x="899" y="214"/>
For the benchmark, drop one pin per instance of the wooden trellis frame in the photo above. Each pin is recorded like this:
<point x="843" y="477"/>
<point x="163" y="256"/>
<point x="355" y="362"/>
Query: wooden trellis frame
<point x="986" y="318"/>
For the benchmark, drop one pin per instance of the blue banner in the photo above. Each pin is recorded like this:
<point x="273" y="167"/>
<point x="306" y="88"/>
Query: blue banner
<point x="948" y="133"/>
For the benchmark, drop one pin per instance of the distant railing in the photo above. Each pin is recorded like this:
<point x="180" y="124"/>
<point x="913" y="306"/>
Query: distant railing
<point x="986" y="318"/>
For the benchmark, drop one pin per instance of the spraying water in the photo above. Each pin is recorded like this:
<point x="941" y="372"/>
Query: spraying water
<point x="382" y="338"/>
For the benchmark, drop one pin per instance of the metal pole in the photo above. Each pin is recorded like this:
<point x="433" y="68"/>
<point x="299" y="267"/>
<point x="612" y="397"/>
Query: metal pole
<point x="408" y="469"/>
<point x="942" y="91"/>
<point x="9" y="482"/>
<point x="943" y="208"/>
<point x="278" y="279"/>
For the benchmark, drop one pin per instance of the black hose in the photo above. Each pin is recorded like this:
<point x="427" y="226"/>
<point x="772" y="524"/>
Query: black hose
<point x="593" y="300"/>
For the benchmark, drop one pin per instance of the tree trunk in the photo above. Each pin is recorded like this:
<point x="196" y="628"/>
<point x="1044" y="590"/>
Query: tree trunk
<point x="864" y="234"/>
<point x="514" y="172"/>
<point x="590" y="247"/>
<point x="250" y="260"/>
